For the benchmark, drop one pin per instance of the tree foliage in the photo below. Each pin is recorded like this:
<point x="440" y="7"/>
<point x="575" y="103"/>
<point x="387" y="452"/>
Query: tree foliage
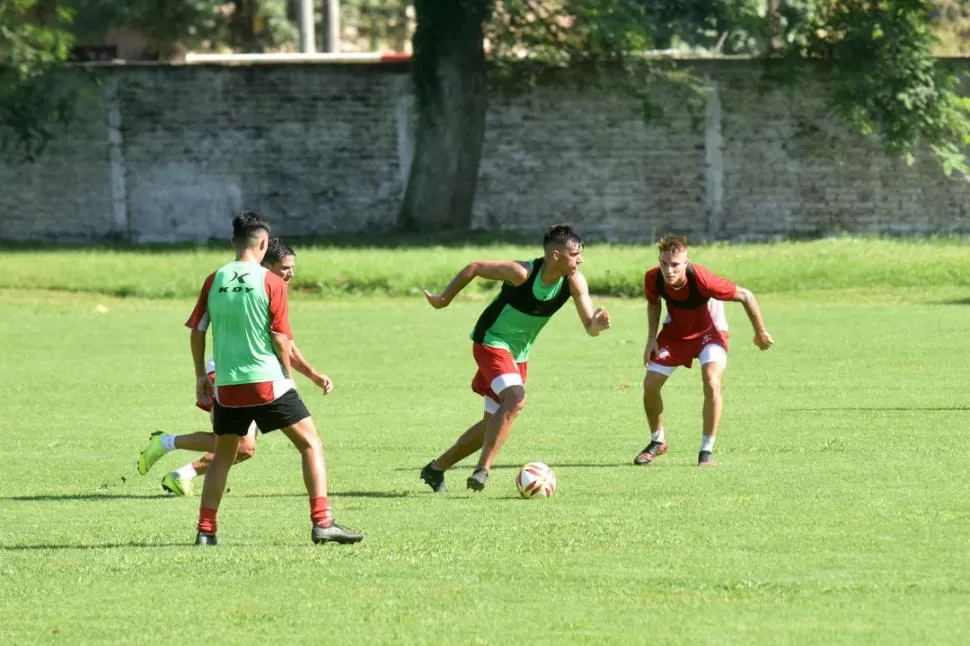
<point x="32" y="102"/>
<point x="172" y="26"/>
<point x="876" y="55"/>
<point x="879" y="57"/>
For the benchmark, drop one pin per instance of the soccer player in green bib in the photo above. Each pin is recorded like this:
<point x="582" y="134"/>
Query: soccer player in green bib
<point x="532" y="291"/>
<point x="281" y="260"/>
<point x="247" y="307"/>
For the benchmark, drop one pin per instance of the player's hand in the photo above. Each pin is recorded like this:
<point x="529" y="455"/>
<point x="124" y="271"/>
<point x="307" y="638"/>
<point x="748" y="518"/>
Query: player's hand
<point x="437" y="301"/>
<point x="763" y="340"/>
<point x="203" y="390"/>
<point x="600" y="321"/>
<point x="649" y="351"/>
<point x="324" y="382"/>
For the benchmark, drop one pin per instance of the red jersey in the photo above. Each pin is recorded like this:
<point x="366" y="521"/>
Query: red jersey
<point x="689" y="322"/>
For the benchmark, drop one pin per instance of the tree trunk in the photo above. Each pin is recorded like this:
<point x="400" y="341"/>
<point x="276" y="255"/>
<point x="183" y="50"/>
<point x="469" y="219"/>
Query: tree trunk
<point x="450" y="83"/>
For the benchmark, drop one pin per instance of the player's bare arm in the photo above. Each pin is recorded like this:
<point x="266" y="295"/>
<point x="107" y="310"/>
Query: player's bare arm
<point x="594" y="320"/>
<point x="653" y="326"/>
<point x="282" y="344"/>
<point x="508" y="271"/>
<point x="203" y="386"/>
<point x="302" y="366"/>
<point x="761" y="337"/>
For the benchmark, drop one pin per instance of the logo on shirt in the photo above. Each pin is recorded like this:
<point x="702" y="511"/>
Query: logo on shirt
<point x="236" y="277"/>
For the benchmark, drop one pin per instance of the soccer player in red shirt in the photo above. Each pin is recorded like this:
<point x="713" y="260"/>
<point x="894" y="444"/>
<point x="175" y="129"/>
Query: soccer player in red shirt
<point x="281" y="260"/>
<point x="689" y="332"/>
<point x="247" y="307"/>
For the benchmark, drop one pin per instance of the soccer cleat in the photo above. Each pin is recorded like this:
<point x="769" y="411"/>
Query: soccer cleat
<point x="172" y="483"/>
<point x="334" y="533"/>
<point x="477" y="480"/>
<point x="705" y="459"/>
<point x="434" y="478"/>
<point x="151" y="454"/>
<point x="652" y="451"/>
<point x="206" y="539"/>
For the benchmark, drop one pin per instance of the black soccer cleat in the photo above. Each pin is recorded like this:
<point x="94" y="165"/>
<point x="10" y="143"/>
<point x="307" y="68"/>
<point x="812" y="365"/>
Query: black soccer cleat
<point x="652" y="451"/>
<point x="334" y="533"/>
<point x="203" y="538"/>
<point x="705" y="459"/>
<point x="434" y="478"/>
<point x="477" y="480"/>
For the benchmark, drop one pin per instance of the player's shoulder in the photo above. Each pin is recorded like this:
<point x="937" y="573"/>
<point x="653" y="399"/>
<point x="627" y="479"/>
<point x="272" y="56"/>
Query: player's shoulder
<point x="272" y="279"/>
<point x="577" y="282"/>
<point x="651" y="273"/>
<point x="702" y="271"/>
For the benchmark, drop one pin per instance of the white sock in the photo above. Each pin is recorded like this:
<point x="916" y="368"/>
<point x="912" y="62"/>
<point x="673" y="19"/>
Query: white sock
<point x="168" y="443"/>
<point x="186" y="473"/>
<point x="658" y="436"/>
<point x="707" y="442"/>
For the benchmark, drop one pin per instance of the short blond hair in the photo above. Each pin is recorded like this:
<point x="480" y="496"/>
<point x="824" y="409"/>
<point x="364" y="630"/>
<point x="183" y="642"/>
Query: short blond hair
<point x="672" y="244"/>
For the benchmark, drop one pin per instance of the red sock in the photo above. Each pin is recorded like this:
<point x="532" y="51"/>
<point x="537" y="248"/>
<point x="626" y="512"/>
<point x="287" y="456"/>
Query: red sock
<point x="320" y="511"/>
<point x="207" y="520"/>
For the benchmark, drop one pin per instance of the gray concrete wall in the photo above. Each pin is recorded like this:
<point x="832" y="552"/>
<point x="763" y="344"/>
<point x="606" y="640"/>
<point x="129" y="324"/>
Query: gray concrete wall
<point x="168" y="153"/>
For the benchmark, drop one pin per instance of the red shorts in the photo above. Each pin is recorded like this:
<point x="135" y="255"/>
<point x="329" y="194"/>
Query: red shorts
<point x="493" y="363"/>
<point x="672" y="351"/>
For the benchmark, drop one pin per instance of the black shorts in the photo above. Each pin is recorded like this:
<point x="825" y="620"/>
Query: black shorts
<point x="280" y="413"/>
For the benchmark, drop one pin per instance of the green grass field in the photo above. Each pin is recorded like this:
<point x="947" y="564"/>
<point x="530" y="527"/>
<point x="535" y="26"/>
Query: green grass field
<point x="837" y="512"/>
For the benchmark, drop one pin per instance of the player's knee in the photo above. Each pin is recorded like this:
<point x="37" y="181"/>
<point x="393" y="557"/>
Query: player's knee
<point x="513" y="400"/>
<point x="245" y="451"/>
<point x="712" y="386"/>
<point x="307" y="442"/>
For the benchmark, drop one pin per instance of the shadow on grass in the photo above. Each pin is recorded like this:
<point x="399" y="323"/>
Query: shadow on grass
<point x="332" y="494"/>
<point x="109" y="497"/>
<point x="95" y="546"/>
<point x="897" y="409"/>
<point x="554" y="465"/>
<point x="957" y="301"/>
<point x="86" y="496"/>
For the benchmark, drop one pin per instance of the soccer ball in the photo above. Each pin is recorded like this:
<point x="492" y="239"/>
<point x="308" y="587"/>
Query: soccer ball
<point x="535" y="480"/>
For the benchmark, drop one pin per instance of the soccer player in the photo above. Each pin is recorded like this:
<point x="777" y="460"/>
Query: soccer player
<point x="532" y="291"/>
<point x="281" y="260"/>
<point x="247" y="306"/>
<point x="689" y="332"/>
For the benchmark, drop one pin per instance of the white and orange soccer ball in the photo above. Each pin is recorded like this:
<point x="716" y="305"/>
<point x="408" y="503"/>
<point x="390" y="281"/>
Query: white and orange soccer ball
<point x="536" y="480"/>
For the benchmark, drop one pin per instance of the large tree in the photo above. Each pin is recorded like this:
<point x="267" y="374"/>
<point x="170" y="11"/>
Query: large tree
<point x="876" y="55"/>
<point x="32" y="102"/>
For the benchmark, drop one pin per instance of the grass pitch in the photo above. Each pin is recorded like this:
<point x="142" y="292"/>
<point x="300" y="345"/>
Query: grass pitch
<point x="837" y="513"/>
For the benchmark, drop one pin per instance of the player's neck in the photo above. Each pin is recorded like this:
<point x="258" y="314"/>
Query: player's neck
<point x="548" y="275"/>
<point x="679" y="286"/>
<point x="247" y="255"/>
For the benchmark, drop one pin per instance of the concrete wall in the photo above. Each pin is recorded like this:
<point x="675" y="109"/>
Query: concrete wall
<point x="168" y="153"/>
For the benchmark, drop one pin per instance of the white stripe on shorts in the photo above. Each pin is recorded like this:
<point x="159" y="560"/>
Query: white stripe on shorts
<point x="710" y="353"/>
<point x="502" y="382"/>
<point x="491" y="406"/>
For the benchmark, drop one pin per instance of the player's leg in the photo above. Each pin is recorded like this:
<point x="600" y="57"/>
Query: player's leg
<point x="713" y="360"/>
<point x="653" y="408"/>
<point x="497" y="428"/>
<point x="291" y="416"/>
<point x="229" y="425"/>
<point x="469" y="442"/>
<point x="179" y="481"/>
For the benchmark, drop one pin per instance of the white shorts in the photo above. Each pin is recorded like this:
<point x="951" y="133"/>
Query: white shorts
<point x="710" y="353"/>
